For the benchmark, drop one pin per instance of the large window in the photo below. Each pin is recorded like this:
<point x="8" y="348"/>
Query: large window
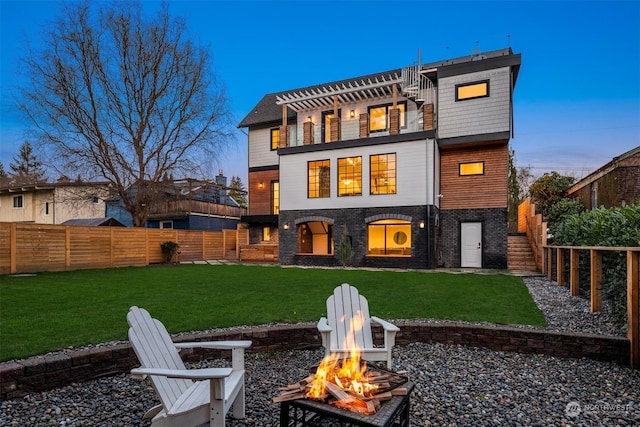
<point x="379" y="117"/>
<point x="275" y="197"/>
<point x="389" y="237"/>
<point x="350" y="176"/>
<point x="319" y="179"/>
<point x="314" y="238"/>
<point x="275" y="138"/>
<point x="382" y="169"/>
<point x="472" y="90"/>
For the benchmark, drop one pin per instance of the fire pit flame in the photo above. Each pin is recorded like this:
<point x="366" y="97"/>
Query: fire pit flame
<point x="347" y="383"/>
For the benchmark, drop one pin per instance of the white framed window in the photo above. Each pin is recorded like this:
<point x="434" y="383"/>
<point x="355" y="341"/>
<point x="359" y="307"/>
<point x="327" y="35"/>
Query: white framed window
<point x="166" y="225"/>
<point x="18" y="202"/>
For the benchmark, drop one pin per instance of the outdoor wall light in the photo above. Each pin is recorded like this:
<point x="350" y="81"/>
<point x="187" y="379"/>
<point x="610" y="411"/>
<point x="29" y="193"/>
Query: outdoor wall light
<point x="352" y="113"/>
<point x="421" y="225"/>
<point x="286" y="226"/>
<point x="309" y="119"/>
<point x="261" y="184"/>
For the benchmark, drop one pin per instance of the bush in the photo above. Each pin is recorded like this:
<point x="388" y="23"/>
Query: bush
<point x="603" y="227"/>
<point x="169" y="250"/>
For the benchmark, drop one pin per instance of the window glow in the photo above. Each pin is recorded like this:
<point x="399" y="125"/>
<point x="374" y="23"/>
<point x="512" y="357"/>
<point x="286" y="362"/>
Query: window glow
<point x="350" y="176"/>
<point x="319" y="179"/>
<point x="475" y="168"/>
<point x="389" y="237"/>
<point x="472" y="90"/>
<point x="383" y="173"/>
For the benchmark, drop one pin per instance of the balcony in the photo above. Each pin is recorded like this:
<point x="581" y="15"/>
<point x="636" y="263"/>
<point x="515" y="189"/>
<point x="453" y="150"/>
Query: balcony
<point x="386" y="104"/>
<point x="180" y="208"/>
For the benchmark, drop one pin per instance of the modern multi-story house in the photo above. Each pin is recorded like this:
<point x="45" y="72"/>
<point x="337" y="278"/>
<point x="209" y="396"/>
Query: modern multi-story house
<point x="408" y="165"/>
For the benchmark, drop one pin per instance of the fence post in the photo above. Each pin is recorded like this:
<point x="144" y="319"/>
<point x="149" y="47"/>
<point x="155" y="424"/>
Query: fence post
<point x="596" y="280"/>
<point x="67" y="247"/>
<point x="633" y="306"/>
<point x="13" y="231"/>
<point x="574" y="272"/>
<point x="560" y="266"/>
<point x="550" y="263"/>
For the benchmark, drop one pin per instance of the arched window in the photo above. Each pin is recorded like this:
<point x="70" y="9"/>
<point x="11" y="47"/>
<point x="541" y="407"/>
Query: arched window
<point x="314" y="238"/>
<point x="389" y="237"/>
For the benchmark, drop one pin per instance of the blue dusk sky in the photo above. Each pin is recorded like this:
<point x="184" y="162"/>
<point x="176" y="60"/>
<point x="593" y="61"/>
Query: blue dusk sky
<point x="576" y="101"/>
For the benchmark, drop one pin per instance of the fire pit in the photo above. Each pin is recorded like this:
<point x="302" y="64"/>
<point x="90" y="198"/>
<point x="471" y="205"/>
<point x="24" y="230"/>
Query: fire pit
<point x="346" y="392"/>
<point x="305" y="412"/>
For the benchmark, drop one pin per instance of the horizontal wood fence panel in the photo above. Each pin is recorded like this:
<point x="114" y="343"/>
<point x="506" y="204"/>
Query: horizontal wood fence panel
<point x="129" y="246"/>
<point x="5" y="248"/>
<point x="213" y="246"/>
<point x="40" y="248"/>
<point x="32" y="248"/>
<point x="190" y="245"/>
<point x="89" y="247"/>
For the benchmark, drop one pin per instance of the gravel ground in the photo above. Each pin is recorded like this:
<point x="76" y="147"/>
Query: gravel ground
<point x="454" y="385"/>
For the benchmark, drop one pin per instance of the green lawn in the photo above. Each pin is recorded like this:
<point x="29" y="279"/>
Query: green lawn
<point x="51" y="311"/>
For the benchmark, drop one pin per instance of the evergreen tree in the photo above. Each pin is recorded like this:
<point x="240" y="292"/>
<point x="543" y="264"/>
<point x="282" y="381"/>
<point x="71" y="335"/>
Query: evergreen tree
<point x="27" y="169"/>
<point x="238" y="191"/>
<point x="4" y="178"/>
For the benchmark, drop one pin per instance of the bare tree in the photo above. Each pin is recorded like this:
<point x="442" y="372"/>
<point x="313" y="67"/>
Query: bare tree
<point x="126" y="97"/>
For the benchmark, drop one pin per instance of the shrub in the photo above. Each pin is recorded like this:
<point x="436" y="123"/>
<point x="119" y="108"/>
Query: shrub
<point x="612" y="227"/>
<point x="169" y="250"/>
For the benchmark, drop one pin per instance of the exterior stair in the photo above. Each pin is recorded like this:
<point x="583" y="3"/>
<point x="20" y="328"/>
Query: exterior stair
<point x="519" y="254"/>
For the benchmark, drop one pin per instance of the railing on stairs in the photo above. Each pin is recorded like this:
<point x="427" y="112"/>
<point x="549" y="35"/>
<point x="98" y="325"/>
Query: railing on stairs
<point x="417" y="86"/>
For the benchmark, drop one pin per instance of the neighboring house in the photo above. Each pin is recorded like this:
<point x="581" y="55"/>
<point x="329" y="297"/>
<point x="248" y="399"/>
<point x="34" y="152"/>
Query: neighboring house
<point x="53" y="203"/>
<point x="411" y="164"/>
<point x="614" y="184"/>
<point x="187" y="204"/>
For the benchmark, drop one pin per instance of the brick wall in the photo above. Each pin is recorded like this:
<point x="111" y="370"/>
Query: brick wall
<point x="18" y="378"/>
<point x="494" y="236"/>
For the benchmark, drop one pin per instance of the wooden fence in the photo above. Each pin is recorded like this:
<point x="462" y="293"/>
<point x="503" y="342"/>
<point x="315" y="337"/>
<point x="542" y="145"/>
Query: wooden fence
<point x="31" y="248"/>
<point x="595" y="274"/>
<point x="530" y="222"/>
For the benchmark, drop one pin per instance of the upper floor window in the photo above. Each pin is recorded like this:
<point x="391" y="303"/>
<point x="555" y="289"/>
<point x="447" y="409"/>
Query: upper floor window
<point x="382" y="168"/>
<point x="472" y="90"/>
<point x="275" y="138"/>
<point x="350" y="176"/>
<point x="379" y="117"/>
<point x="46" y="208"/>
<point x="18" y="202"/>
<point x="473" y="168"/>
<point x="275" y="198"/>
<point x="319" y="179"/>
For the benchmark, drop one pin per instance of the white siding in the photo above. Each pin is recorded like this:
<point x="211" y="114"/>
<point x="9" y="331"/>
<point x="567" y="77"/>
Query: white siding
<point x="474" y="116"/>
<point x="414" y="177"/>
<point x="260" y="153"/>
<point x="351" y="126"/>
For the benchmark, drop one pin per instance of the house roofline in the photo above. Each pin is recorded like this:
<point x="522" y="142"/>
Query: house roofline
<point x="602" y="171"/>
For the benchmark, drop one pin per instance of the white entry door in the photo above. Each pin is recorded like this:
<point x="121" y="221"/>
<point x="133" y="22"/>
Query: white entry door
<point x="471" y="253"/>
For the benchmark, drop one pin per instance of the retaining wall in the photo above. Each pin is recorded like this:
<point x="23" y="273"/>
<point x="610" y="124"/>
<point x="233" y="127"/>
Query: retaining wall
<point x="18" y="378"/>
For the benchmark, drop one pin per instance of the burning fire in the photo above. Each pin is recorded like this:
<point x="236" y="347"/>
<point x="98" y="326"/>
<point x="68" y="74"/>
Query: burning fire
<point x="349" y="375"/>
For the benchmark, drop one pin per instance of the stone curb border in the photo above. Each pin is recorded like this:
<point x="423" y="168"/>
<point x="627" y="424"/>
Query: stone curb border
<point x="39" y="373"/>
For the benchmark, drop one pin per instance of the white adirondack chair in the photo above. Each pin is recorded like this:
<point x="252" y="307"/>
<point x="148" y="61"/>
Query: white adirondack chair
<point x="190" y="397"/>
<point x="345" y="307"/>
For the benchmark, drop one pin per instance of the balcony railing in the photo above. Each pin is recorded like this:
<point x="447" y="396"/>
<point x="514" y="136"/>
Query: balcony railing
<point x="166" y="208"/>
